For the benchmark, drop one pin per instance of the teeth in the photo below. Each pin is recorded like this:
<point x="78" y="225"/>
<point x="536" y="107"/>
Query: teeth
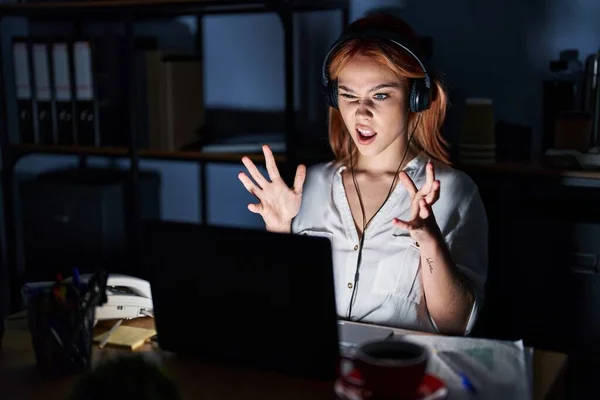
<point x="366" y="132"/>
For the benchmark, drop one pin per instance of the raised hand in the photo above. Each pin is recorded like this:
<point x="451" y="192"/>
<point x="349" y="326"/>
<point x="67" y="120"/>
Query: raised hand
<point x="278" y="204"/>
<point x="421" y="215"/>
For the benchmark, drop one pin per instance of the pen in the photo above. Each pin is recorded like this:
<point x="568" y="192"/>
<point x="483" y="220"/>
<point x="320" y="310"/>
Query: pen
<point x="109" y="333"/>
<point x="464" y="379"/>
<point x="95" y="295"/>
<point x="55" y="334"/>
<point x="466" y="382"/>
<point x="76" y="278"/>
<point x="59" y="290"/>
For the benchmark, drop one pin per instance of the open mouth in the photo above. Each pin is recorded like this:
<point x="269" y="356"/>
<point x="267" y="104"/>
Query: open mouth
<point x="365" y="135"/>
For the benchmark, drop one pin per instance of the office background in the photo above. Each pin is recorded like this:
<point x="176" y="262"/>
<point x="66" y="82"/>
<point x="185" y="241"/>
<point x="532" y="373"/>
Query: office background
<point x="497" y="49"/>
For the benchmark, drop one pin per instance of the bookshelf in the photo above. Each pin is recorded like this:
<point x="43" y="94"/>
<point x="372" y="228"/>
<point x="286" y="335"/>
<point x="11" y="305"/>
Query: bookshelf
<point x="115" y="152"/>
<point x="109" y="9"/>
<point x="129" y="12"/>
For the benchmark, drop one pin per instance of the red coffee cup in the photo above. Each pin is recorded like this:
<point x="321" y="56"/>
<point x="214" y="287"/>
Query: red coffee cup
<point x="391" y="369"/>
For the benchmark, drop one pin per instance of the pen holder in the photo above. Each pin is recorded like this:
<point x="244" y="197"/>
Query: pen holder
<point x="61" y="331"/>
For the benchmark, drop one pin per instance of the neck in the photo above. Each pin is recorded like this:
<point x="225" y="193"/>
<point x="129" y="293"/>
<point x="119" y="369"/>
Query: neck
<point x="385" y="163"/>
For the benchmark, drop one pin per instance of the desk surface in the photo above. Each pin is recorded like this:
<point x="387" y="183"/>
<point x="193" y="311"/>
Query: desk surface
<point x="196" y="379"/>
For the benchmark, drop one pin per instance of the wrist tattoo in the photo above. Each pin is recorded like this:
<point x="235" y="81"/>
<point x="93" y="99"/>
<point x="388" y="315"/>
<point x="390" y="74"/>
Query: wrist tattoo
<point x="430" y="263"/>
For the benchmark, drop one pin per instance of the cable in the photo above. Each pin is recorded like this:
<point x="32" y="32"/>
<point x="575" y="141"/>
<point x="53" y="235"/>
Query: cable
<point x="362" y="209"/>
<point x="147" y="313"/>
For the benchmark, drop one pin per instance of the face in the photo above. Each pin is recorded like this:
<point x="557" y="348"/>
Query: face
<point x="373" y="104"/>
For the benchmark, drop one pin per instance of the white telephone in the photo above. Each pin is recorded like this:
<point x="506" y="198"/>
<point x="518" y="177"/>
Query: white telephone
<point x="127" y="297"/>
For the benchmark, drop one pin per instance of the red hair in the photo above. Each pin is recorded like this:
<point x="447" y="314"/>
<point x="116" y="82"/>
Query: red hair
<point x="427" y="136"/>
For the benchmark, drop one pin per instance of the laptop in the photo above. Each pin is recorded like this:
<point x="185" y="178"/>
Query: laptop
<point x="351" y="335"/>
<point x="243" y="297"/>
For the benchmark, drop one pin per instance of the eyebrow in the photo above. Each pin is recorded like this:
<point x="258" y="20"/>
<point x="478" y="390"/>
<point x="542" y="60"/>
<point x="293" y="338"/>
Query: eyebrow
<point x="374" y="88"/>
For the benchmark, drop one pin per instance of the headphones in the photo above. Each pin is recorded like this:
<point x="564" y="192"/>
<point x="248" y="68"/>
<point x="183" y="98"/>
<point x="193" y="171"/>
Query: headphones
<point x="420" y="88"/>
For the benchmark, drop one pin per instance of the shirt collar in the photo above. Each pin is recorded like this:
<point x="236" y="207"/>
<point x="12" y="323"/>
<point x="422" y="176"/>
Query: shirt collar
<point x="413" y="165"/>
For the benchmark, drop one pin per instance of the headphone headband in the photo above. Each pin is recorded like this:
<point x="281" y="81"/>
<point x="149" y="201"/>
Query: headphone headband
<point x="373" y="33"/>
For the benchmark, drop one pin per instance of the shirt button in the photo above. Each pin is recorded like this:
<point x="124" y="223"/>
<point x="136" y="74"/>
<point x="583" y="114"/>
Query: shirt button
<point x="355" y="247"/>
<point x="417" y="244"/>
<point x="349" y="285"/>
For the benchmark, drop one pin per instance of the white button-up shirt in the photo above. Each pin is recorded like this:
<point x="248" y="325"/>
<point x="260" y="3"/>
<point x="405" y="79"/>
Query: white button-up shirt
<point x="390" y="288"/>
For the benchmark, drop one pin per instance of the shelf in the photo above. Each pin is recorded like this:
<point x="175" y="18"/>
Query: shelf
<point x="528" y="168"/>
<point x="115" y="152"/>
<point x="129" y="12"/>
<point x="99" y="9"/>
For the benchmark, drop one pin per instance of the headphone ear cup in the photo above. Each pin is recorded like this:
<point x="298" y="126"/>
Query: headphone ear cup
<point x="419" y="96"/>
<point x="412" y="102"/>
<point x="332" y="93"/>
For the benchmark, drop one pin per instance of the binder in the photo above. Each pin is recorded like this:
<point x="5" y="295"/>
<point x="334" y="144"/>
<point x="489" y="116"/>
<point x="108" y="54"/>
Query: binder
<point x="86" y="106"/>
<point x="82" y="92"/>
<point x="175" y="100"/>
<point x="21" y="61"/>
<point x="45" y="134"/>
<point x="64" y="106"/>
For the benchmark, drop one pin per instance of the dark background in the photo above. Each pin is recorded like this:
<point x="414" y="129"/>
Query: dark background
<point x="496" y="49"/>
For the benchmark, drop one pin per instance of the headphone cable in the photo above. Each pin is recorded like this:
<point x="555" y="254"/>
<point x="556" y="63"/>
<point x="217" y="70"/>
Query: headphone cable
<point x="362" y="209"/>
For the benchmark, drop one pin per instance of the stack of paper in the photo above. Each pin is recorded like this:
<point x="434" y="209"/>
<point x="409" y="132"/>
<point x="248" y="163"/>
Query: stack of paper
<point x="497" y="369"/>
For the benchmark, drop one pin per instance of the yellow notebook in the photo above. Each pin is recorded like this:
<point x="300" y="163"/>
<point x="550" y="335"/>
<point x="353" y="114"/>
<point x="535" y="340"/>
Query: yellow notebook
<point x="127" y="336"/>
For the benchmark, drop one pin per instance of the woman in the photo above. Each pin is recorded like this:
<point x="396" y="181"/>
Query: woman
<point x="410" y="255"/>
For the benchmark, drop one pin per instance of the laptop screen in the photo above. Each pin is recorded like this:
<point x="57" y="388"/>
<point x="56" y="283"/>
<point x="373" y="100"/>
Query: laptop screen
<point x="251" y="298"/>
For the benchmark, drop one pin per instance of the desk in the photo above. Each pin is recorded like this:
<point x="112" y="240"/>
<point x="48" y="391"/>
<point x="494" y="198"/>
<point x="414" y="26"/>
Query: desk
<point x="196" y="379"/>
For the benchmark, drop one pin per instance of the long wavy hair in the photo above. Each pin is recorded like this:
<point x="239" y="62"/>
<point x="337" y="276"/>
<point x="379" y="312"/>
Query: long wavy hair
<point x="427" y="136"/>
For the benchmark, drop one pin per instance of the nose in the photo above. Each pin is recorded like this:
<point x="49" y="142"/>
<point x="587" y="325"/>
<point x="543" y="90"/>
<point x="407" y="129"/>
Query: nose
<point x="364" y="109"/>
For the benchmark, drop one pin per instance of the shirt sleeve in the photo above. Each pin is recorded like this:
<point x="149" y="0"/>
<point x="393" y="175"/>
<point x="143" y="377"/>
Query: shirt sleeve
<point x="468" y="244"/>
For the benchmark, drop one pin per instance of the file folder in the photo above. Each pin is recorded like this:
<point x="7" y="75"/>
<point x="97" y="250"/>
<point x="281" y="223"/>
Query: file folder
<point x="86" y="116"/>
<point x="45" y="134"/>
<point x="21" y="61"/>
<point x="64" y="106"/>
<point x="175" y="100"/>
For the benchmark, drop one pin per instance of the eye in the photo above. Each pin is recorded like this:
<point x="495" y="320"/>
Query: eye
<point x="347" y="96"/>
<point x="381" y="96"/>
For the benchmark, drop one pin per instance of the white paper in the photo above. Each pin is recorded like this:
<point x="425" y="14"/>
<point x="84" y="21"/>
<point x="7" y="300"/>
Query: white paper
<point x="496" y="368"/>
